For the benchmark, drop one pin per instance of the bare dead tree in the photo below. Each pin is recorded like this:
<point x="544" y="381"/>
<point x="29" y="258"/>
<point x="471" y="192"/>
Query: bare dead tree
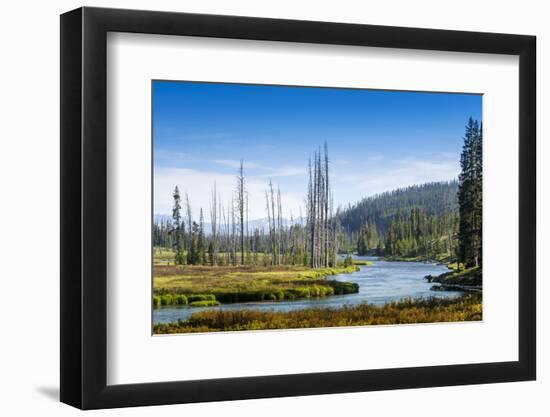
<point x="233" y="233"/>
<point x="189" y="219"/>
<point x="280" y="239"/>
<point x="241" y="207"/>
<point x="247" y="233"/>
<point x="214" y="224"/>
<point x="318" y="203"/>
<point x="223" y="225"/>
<point x="271" y="227"/>
<point x="311" y="213"/>
<point x="227" y="223"/>
<point x="318" y="211"/>
<point x="275" y="231"/>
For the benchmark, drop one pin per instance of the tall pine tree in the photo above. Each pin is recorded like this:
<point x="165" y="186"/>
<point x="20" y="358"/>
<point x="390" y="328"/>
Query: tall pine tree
<point x="470" y="196"/>
<point x="178" y="228"/>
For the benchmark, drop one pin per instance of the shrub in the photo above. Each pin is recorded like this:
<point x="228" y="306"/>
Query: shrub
<point x="168" y="299"/>
<point x="200" y="297"/>
<point x="180" y="299"/>
<point x="342" y="288"/>
<point x="165" y="300"/>
<point x="204" y="303"/>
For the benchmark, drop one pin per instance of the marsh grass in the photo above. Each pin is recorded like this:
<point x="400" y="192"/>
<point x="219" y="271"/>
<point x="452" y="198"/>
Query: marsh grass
<point x="204" y="303"/>
<point x="407" y="311"/>
<point x="247" y="283"/>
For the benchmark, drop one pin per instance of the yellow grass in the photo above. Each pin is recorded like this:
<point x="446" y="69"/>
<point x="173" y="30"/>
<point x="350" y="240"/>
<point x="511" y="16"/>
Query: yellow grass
<point x="250" y="283"/>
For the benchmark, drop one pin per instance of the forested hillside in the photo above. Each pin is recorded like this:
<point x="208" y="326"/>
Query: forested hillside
<point x="433" y="198"/>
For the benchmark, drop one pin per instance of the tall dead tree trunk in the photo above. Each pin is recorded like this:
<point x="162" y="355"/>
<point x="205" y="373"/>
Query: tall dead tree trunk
<point x="270" y="227"/>
<point x="280" y="227"/>
<point x="275" y="231"/>
<point x="233" y="234"/>
<point x="312" y="216"/>
<point x="247" y="234"/>
<point x="189" y="219"/>
<point x="214" y="224"/>
<point x="326" y="198"/>
<point x="240" y="207"/>
<point x="318" y="205"/>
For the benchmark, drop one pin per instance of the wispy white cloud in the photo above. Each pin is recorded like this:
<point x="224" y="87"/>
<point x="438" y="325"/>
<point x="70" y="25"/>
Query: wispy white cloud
<point x="199" y="184"/>
<point x="396" y="174"/>
<point x="375" y="158"/>
<point x="285" y="171"/>
<point x="264" y="171"/>
<point x="234" y="163"/>
<point x="172" y="157"/>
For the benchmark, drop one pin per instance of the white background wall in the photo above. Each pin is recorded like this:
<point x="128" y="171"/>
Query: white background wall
<point x="29" y="219"/>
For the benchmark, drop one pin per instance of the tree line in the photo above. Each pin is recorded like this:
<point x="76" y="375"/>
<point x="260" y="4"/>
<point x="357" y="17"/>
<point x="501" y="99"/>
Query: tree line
<point x="422" y="235"/>
<point x="432" y="220"/>
<point x="312" y="241"/>
<point x="435" y="198"/>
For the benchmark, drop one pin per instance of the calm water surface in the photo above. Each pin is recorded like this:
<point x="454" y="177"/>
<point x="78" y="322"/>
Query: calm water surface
<point x="378" y="284"/>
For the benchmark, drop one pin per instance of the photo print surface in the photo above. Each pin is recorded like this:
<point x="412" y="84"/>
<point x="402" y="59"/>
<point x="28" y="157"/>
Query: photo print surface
<point x="288" y="207"/>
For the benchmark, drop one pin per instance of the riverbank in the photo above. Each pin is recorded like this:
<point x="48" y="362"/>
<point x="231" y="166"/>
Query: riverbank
<point x="457" y="279"/>
<point x="200" y="286"/>
<point x="468" y="280"/>
<point x="362" y="262"/>
<point x="441" y="259"/>
<point x="407" y="311"/>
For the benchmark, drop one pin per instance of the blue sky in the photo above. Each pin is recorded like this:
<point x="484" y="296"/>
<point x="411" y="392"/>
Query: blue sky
<point x="377" y="140"/>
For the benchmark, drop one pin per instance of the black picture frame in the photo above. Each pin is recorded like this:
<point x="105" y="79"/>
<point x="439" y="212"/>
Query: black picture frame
<point x="84" y="207"/>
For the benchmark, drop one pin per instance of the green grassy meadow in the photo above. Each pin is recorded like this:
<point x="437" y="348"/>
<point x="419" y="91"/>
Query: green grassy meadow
<point x="188" y="284"/>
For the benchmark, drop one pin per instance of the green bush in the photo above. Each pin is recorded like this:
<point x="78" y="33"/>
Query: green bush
<point x="180" y="299"/>
<point x="204" y="303"/>
<point x="165" y="299"/>
<point x="342" y="288"/>
<point x="200" y="297"/>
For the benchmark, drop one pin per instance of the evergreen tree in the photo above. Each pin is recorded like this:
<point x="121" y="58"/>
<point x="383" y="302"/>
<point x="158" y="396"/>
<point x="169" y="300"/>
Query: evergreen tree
<point x="201" y="252"/>
<point x="478" y="196"/>
<point x="470" y="196"/>
<point x="178" y="230"/>
<point x="362" y="246"/>
<point x="367" y="239"/>
<point x="192" y="253"/>
<point x="379" y="249"/>
<point x="211" y="257"/>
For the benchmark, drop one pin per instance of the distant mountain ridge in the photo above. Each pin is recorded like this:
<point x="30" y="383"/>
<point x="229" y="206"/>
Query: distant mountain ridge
<point x="435" y="198"/>
<point x="260" y="224"/>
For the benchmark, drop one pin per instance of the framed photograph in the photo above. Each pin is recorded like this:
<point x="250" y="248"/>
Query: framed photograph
<point x="257" y="208"/>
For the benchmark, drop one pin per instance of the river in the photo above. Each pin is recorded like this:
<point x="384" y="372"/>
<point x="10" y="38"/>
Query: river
<point x="378" y="284"/>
